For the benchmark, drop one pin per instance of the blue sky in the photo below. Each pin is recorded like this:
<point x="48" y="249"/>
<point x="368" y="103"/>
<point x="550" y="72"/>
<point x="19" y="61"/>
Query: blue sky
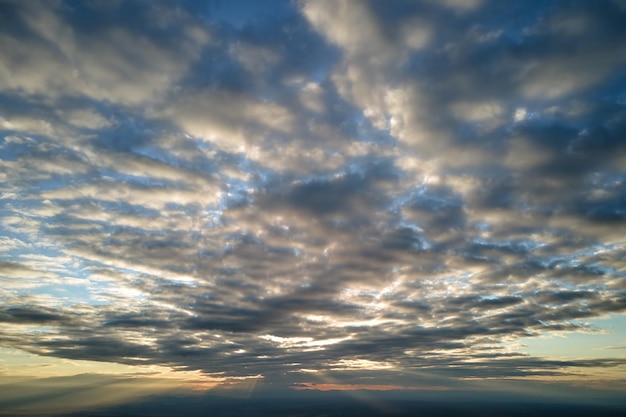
<point x="399" y="195"/>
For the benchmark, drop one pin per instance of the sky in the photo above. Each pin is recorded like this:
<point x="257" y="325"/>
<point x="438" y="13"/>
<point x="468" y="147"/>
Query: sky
<point x="238" y="197"/>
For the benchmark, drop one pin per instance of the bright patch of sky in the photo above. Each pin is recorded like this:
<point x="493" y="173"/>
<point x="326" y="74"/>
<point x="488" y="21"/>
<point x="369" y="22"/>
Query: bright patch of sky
<point x="606" y="337"/>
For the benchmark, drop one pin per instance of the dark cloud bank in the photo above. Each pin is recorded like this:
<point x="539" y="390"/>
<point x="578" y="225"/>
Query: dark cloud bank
<point x="381" y="192"/>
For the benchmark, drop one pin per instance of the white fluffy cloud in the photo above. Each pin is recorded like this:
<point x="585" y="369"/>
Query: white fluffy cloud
<point x="114" y="63"/>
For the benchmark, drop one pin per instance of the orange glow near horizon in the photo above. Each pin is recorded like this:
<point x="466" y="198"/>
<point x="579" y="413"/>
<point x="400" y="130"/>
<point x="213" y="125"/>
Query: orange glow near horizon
<point x="365" y="387"/>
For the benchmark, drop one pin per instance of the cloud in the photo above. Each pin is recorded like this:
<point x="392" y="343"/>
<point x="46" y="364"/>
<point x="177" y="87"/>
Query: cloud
<point x="425" y="186"/>
<point x="229" y="119"/>
<point x="116" y="63"/>
<point x="27" y="396"/>
<point x="26" y="315"/>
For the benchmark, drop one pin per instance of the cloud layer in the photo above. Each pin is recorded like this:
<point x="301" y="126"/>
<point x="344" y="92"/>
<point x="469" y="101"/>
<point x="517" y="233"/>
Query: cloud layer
<point x="340" y="189"/>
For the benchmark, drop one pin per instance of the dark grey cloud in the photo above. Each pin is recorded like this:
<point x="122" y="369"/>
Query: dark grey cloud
<point x="29" y="316"/>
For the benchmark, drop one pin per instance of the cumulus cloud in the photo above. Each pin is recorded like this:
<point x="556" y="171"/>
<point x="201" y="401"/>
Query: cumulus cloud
<point x="59" y="55"/>
<point x="429" y="183"/>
